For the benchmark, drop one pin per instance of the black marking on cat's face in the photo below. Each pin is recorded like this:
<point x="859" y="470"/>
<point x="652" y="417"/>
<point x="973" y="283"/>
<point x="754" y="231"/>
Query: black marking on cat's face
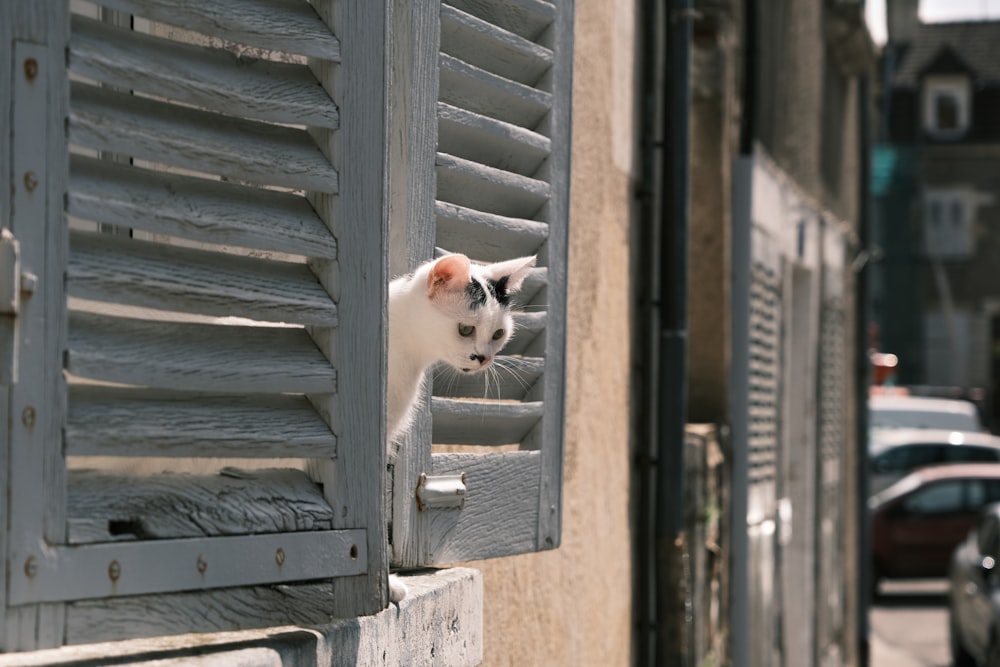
<point x="499" y="290"/>
<point x="476" y="294"/>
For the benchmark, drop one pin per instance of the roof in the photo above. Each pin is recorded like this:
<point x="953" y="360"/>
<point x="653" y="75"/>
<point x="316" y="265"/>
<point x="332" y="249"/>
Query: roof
<point x="964" y="45"/>
<point x="896" y="437"/>
<point x="932" y="474"/>
<point x="922" y="403"/>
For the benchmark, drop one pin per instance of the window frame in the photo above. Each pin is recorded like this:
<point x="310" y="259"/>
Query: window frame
<point x="956" y="87"/>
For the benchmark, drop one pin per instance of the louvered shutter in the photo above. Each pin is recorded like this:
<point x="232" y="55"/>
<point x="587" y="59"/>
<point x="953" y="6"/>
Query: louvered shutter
<point x="238" y="147"/>
<point x="480" y="476"/>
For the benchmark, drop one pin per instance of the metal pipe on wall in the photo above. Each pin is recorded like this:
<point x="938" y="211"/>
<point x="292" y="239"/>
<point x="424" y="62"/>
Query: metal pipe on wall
<point x="671" y="550"/>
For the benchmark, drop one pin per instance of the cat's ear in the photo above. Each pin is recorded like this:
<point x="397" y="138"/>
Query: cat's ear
<point x="449" y="273"/>
<point x="514" y="270"/>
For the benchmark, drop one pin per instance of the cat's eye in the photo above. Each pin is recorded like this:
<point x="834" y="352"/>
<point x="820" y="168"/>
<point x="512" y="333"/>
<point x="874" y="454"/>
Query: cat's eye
<point x="498" y="334"/>
<point x="466" y="330"/>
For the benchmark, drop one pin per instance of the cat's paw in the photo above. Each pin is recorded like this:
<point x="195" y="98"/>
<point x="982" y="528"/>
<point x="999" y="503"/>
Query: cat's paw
<point x="397" y="589"/>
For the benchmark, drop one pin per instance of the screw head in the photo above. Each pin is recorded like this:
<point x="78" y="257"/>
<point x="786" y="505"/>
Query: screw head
<point x="201" y="564"/>
<point x="114" y="570"/>
<point x="30" y="567"/>
<point x="28" y="416"/>
<point x="279" y="556"/>
<point x="30" y="69"/>
<point x="30" y="181"/>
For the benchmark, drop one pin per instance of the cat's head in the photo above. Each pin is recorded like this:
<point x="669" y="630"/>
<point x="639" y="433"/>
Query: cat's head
<point x="473" y="301"/>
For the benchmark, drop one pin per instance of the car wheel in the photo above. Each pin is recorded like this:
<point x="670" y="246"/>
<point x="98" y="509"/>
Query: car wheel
<point x="993" y="654"/>
<point x="959" y="656"/>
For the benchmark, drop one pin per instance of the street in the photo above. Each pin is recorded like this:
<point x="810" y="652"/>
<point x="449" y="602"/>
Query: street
<point x="909" y="625"/>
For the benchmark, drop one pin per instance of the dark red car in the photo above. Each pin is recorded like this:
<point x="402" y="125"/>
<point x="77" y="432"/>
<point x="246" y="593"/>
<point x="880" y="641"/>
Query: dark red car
<point x="917" y="522"/>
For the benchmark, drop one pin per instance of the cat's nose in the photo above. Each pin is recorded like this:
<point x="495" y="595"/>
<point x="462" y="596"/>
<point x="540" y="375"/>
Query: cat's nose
<point x="478" y="357"/>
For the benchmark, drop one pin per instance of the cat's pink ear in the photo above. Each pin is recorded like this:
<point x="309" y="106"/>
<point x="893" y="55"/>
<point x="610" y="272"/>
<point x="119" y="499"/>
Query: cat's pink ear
<point x="515" y="270"/>
<point x="451" y="272"/>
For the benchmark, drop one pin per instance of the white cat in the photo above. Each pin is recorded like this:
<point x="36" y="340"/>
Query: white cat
<point x="448" y="310"/>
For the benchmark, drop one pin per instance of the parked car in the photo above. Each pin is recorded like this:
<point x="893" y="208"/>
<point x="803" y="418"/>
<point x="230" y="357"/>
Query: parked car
<point x="917" y="522"/>
<point x="898" y="411"/>
<point x="974" y="594"/>
<point x="894" y="453"/>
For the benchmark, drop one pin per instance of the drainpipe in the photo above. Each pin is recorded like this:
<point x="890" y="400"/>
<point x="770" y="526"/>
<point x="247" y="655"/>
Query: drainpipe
<point x="671" y="550"/>
<point x="739" y="361"/>
<point x="862" y="369"/>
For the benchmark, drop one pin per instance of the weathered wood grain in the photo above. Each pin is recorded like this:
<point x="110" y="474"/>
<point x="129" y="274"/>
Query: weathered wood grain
<point x="199" y="140"/>
<point x="211" y="78"/>
<point x="35" y="37"/>
<point x="478" y="422"/>
<point x="118" y="269"/>
<point x="491" y="47"/>
<point x="528" y="18"/>
<point x="463" y="85"/>
<point x="548" y="439"/>
<point x="358" y="217"/>
<point x="485" y="236"/>
<point x="195" y="208"/>
<point x="500" y="516"/>
<point x="198" y="357"/>
<point x="490" y="142"/>
<point x="473" y="185"/>
<point x="289" y="26"/>
<point x="415" y="137"/>
<point x="513" y="380"/>
<point x="111" y="619"/>
<point x="108" y="421"/>
<point x="107" y="506"/>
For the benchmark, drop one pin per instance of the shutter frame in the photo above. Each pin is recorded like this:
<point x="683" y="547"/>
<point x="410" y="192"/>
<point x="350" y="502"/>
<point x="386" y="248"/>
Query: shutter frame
<point x="512" y="499"/>
<point x="84" y="559"/>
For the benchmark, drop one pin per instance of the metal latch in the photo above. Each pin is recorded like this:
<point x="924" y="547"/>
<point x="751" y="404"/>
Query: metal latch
<point x="10" y="305"/>
<point x="440" y="491"/>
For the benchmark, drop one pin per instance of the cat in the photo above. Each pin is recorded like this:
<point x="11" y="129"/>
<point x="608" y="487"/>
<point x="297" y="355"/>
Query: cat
<point x="448" y="311"/>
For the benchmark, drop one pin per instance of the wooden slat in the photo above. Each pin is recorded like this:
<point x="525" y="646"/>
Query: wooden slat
<point x="463" y="85"/>
<point x="288" y="26"/>
<point x="110" y="421"/>
<point x="118" y="269"/>
<point x="529" y="334"/>
<point x="490" y="142"/>
<point x="192" y="139"/>
<point x="197" y="209"/>
<point x="471" y="422"/>
<point x="492" y="48"/>
<point x="500" y="516"/>
<point x="205" y="77"/>
<point x="483" y="188"/>
<point x="199" y="357"/>
<point x="485" y="236"/>
<point x="112" y="506"/>
<point x="528" y="18"/>
<point x="112" y="619"/>
<point x="511" y="378"/>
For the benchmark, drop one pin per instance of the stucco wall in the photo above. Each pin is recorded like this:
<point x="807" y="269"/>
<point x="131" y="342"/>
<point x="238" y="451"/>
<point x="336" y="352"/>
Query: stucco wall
<point x="572" y="606"/>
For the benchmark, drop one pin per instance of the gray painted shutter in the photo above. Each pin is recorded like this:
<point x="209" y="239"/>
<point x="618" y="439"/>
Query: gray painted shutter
<point x="486" y="465"/>
<point x="238" y="149"/>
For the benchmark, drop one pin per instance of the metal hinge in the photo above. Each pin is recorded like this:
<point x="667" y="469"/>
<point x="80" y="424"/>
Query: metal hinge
<point x="440" y="491"/>
<point x="10" y="304"/>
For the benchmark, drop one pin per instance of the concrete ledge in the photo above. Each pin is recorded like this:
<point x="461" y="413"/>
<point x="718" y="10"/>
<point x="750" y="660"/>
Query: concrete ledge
<point x="439" y="623"/>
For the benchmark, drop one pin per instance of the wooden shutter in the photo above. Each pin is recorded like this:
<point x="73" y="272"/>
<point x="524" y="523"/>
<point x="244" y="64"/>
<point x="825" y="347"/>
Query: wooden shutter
<point x="238" y="149"/>
<point x="480" y="476"/>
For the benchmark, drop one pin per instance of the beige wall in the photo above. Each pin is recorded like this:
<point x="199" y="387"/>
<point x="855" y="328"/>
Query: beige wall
<point x="572" y="606"/>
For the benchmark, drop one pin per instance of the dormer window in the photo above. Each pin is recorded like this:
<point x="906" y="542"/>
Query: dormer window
<point x="946" y="106"/>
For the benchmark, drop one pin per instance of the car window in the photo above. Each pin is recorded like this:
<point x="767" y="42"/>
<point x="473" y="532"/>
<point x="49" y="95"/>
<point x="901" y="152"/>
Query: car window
<point x="940" y="498"/>
<point x="955" y="453"/>
<point x="988" y="534"/>
<point x="908" y="457"/>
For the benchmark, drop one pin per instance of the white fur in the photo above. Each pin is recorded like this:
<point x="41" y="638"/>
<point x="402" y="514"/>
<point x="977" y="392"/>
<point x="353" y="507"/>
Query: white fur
<point x="423" y="330"/>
